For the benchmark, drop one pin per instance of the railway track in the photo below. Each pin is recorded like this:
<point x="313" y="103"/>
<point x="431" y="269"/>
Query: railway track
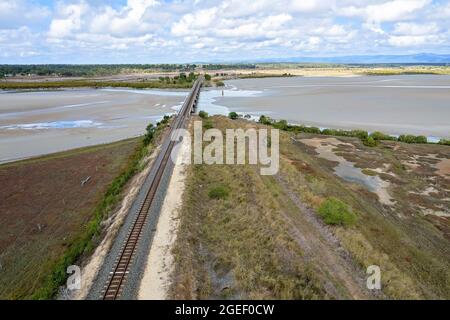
<point x="118" y="275"/>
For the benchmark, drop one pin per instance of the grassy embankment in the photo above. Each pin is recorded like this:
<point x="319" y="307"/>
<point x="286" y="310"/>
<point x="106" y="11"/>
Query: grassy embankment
<point x="85" y="242"/>
<point x="369" y="140"/>
<point x="256" y="75"/>
<point x="181" y="81"/>
<point x="238" y="229"/>
<point x="232" y="242"/>
<point x="52" y="220"/>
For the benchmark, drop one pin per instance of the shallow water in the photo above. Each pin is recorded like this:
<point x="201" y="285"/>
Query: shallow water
<point x="347" y="170"/>
<point x="413" y="104"/>
<point x="41" y="122"/>
<point x="35" y="123"/>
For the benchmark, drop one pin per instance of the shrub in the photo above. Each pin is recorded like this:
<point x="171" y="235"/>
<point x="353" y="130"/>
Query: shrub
<point x="218" y="192"/>
<point x="327" y="132"/>
<point x="314" y="130"/>
<point x="361" y="134"/>
<point x="370" y="142"/>
<point x="207" y="77"/>
<point x="203" y="114"/>
<point x="208" y="124"/>
<point x="233" y="115"/>
<point x="265" y="120"/>
<point x="282" y="125"/>
<point x="444" y="142"/>
<point x="412" y="139"/>
<point x="150" y="132"/>
<point x="377" y="135"/>
<point x="335" y="212"/>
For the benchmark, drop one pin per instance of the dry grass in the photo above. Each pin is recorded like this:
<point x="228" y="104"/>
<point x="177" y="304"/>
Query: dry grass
<point x="44" y="207"/>
<point x="241" y="246"/>
<point x="412" y="253"/>
<point x="237" y="246"/>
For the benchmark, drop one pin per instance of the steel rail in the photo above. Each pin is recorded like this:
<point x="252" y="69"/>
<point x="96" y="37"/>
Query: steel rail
<point x="118" y="276"/>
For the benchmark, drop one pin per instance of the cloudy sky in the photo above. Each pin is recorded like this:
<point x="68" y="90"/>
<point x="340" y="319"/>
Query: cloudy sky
<point x="155" y="31"/>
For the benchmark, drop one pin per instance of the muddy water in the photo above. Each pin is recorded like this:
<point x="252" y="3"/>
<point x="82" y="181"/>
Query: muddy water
<point x="415" y="104"/>
<point x="36" y="123"/>
<point x="347" y="170"/>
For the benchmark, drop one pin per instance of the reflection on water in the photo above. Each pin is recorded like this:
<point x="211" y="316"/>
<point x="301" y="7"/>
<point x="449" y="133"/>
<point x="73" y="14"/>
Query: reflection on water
<point x="155" y="92"/>
<point x="210" y="99"/>
<point x="347" y="170"/>
<point x="54" y="125"/>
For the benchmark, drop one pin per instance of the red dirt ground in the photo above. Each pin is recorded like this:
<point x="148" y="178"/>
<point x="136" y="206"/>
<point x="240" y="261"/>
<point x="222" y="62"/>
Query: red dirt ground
<point x="43" y="205"/>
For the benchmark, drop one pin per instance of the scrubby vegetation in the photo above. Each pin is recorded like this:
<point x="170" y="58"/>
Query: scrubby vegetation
<point x="412" y="139"/>
<point x="203" y="114"/>
<point x="218" y="83"/>
<point x="259" y="242"/>
<point x="257" y="75"/>
<point x="89" y="70"/>
<point x="84" y="243"/>
<point x="219" y="192"/>
<point x="182" y="81"/>
<point x="233" y="115"/>
<point x="334" y="211"/>
<point x="370" y="140"/>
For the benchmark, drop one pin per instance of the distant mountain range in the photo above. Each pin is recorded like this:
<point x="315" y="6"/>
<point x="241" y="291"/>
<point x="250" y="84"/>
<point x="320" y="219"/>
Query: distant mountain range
<point x="363" y="59"/>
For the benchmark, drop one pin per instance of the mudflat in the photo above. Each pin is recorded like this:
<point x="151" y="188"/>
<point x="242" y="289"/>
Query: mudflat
<point x="401" y="104"/>
<point x="42" y="122"/>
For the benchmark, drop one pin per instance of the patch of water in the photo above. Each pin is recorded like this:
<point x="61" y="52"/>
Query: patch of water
<point x="155" y="92"/>
<point x="68" y="124"/>
<point x="50" y="110"/>
<point x="347" y="170"/>
<point x="209" y="99"/>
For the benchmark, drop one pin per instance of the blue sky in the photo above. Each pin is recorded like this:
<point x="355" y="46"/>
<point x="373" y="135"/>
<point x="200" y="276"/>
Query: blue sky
<point x="156" y="31"/>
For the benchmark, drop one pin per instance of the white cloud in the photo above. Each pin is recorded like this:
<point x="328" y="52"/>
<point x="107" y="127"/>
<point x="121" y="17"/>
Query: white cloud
<point x="15" y="13"/>
<point x="219" y="29"/>
<point x="411" y="41"/>
<point x="388" y="11"/>
<point x="404" y="28"/>
<point x="69" y="21"/>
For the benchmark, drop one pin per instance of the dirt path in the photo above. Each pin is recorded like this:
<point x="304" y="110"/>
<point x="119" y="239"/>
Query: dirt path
<point x="156" y="279"/>
<point x="343" y="278"/>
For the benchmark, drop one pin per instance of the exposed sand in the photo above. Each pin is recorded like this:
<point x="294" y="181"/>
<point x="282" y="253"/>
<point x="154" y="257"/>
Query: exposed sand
<point x="92" y="266"/>
<point x="156" y="279"/>
<point x="346" y="169"/>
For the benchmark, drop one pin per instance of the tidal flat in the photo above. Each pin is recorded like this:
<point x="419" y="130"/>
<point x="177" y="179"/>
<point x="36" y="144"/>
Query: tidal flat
<point x="401" y="104"/>
<point x="42" y="122"/>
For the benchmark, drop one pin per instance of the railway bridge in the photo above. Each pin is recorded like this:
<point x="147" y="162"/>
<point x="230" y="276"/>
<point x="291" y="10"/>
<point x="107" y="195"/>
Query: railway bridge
<point x="120" y="273"/>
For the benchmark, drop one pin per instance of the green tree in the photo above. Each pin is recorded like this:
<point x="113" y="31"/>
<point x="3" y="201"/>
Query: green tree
<point x="264" y="120"/>
<point x="233" y="115"/>
<point x="203" y="114"/>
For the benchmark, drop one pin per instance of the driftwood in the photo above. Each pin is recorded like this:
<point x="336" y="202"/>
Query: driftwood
<point x="83" y="182"/>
